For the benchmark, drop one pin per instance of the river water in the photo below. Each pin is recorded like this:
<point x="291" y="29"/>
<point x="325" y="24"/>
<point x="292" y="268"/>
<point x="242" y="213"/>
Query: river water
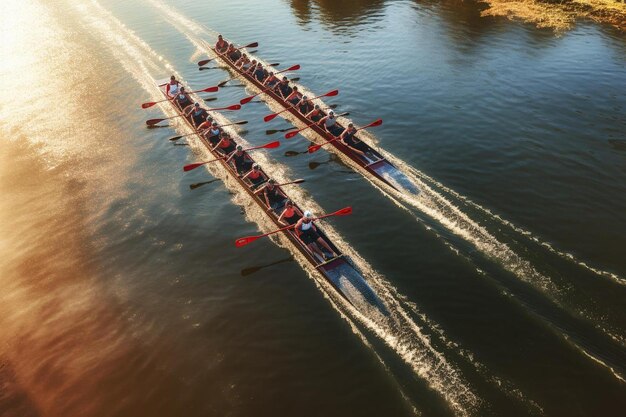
<point x="505" y="279"/>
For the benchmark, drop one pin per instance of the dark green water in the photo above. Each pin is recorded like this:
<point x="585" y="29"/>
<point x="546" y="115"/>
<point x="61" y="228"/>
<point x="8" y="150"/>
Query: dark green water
<point x="123" y="294"/>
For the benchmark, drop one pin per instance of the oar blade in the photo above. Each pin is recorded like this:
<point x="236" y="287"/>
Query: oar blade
<point x="210" y="89"/>
<point x="243" y="241"/>
<point x="331" y="93"/>
<point x="223" y="83"/>
<point x="314" y="148"/>
<point x="252" y="45"/>
<point x="146" y="105"/>
<point x="189" y="167"/>
<point x="275" y="64"/>
<point x="204" y="62"/>
<point x="271" y="131"/>
<point x="289" y="135"/>
<point x="152" y="122"/>
<point x="270" y="117"/>
<point x="343" y="212"/>
<point x="234" y="107"/>
<point x="376" y="123"/>
<point x="293" y="68"/>
<point x="271" y="145"/>
<point x="175" y="138"/>
<point x="243" y="122"/>
<point x="246" y="100"/>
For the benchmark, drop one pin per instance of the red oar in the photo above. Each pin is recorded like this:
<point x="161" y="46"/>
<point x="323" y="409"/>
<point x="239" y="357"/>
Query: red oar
<point x="265" y="90"/>
<point x="152" y="122"/>
<point x="270" y="145"/>
<point x="243" y="241"/>
<point x="206" y="90"/>
<point x="315" y="148"/>
<point x="206" y="61"/>
<point x="273" y="115"/>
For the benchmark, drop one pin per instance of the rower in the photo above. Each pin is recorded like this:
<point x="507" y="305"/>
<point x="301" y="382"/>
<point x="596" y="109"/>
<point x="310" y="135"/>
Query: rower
<point x="251" y="68"/>
<point x="206" y="125"/>
<point x="273" y="195"/>
<point x="242" y="61"/>
<point x="221" y="46"/>
<point x="283" y="88"/>
<point x="271" y="80"/>
<point x="173" y="87"/>
<point x="256" y="176"/>
<point x="307" y="232"/>
<point x="316" y="114"/>
<point x="182" y="99"/>
<point x="295" y="96"/>
<point x="233" y="53"/>
<point x="226" y="145"/>
<point x="356" y="145"/>
<point x="197" y="113"/>
<point x="290" y="214"/>
<point x="304" y="106"/>
<point x="241" y="159"/>
<point x="259" y="72"/>
<point x="214" y="134"/>
<point x="330" y="124"/>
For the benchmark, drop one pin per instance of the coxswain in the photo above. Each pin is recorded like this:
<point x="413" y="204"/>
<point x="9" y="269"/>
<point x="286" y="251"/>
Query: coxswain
<point x="226" y="145"/>
<point x="308" y="234"/>
<point x="283" y="88"/>
<point x="271" y="80"/>
<point x="330" y="124"/>
<point x="304" y="105"/>
<point x="172" y="88"/>
<point x="241" y="160"/>
<point x="182" y="99"/>
<point x="256" y="176"/>
<point x="259" y="73"/>
<point x="214" y="134"/>
<point x="290" y="214"/>
<point x="221" y="46"/>
<point x="197" y="113"/>
<point x="295" y="96"/>
<point x="316" y="114"/>
<point x="273" y="195"/>
<point x="358" y="146"/>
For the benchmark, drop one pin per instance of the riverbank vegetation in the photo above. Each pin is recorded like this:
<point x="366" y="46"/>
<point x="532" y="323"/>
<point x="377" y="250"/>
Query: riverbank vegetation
<point x="560" y="14"/>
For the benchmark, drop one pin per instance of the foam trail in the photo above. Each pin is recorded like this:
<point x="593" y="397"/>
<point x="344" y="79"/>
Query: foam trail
<point x="398" y="331"/>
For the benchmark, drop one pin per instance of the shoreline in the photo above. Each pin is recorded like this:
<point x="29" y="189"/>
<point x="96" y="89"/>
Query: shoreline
<point x="559" y="15"/>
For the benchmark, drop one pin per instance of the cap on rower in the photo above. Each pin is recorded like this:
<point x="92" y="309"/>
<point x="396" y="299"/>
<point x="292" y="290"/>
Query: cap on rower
<point x="308" y="214"/>
<point x="239" y="148"/>
<point x="196" y="104"/>
<point x="255" y="166"/>
<point x="272" y="181"/>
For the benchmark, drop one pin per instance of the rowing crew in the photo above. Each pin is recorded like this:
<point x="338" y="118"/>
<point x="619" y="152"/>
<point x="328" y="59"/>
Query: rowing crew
<point x="299" y="101"/>
<point x="275" y="199"/>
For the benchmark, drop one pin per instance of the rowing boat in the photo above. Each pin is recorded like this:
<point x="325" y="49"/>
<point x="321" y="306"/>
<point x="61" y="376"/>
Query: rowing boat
<point x="380" y="168"/>
<point x="339" y="271"/>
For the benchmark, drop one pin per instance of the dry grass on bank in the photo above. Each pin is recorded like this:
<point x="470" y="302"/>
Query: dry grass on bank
<point x="559" y="14"/>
